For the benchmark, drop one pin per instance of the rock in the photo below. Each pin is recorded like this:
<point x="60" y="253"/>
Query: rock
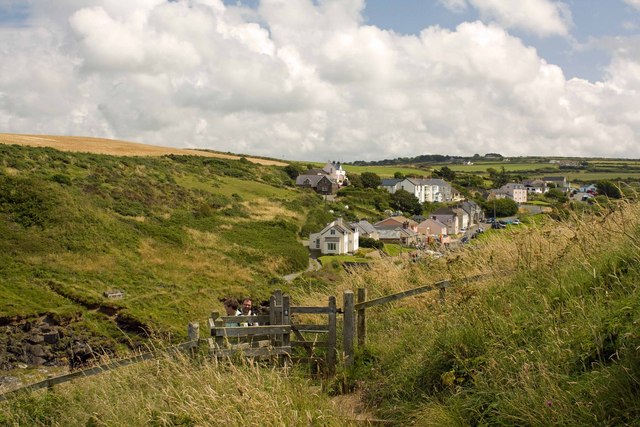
<point x="38" y="361"/>
<point x="35" y="339"/>
<point x="37" y="350"/>
<point x="22" y="366"/>
<point x="51" y="338"/>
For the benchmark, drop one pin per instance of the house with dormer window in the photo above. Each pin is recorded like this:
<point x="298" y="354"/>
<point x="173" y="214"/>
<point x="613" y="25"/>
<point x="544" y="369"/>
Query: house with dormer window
<point x="337" y="238"/>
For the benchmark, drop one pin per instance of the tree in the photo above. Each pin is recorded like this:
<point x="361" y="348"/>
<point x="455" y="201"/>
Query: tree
<point x="355" y="181"/>
<point x="501" y="207"/>
<point x="499" y="178"/>
<point x="398" y="175"/>
<point x="293" y="170"/>
<point x="609" y="189"/>
<point x="404" y="201"/>
<point x="556" y="194"/>
<point x="370" y="180"/>
<point x="445" y="173"/>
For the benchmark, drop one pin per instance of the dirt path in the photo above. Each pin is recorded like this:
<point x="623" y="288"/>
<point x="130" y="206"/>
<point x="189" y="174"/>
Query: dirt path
<point x="113" y="147"/>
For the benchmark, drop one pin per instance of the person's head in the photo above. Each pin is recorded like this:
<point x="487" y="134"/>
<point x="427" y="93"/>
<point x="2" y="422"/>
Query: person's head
<point x="247" y="306"/>
<point x="231" y="306"/>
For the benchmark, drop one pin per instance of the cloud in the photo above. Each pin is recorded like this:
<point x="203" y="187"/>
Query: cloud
<point x="634" y="3"/>
<point x="542" y="18"/>
<point x="305" y="79"/>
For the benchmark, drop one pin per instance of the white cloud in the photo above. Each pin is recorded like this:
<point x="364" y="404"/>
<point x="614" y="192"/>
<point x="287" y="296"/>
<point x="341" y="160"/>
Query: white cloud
<point x="305" y="79"/>
<point x="540" y="17"/>
<point x="634" y="3"/>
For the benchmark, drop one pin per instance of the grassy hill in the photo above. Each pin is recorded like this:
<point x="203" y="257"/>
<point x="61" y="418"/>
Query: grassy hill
<point x="176" y="233"/>
<point x="548" y="335"/>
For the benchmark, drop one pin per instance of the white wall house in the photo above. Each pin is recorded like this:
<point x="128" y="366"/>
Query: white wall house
<point x="515" y="191"/>
<point x="337" y="238"/>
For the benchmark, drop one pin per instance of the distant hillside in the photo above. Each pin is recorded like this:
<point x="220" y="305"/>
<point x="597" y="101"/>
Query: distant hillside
<point x="86" y="144"/>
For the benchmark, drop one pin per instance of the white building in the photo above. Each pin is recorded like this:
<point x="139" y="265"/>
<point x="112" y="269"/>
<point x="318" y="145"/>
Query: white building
<point x="337" y="238"/>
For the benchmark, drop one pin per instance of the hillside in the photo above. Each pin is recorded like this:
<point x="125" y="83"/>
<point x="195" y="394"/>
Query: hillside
<point x="84" y="144"/>
<point x="176" y="233"/>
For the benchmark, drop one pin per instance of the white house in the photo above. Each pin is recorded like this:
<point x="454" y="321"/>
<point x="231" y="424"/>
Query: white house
<point x="515" y="191"/>
<point x="336" y="238"/>
<point x="335" y="171"/>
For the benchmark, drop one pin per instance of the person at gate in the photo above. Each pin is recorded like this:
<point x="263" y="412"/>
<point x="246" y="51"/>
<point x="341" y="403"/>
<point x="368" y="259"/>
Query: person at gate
<point x="247" y="310"/>
<point x="231" y="308"/>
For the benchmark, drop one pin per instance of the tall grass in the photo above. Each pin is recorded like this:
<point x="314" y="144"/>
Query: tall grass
<point x="549" y="338"/>
<point x="178" y="391"/>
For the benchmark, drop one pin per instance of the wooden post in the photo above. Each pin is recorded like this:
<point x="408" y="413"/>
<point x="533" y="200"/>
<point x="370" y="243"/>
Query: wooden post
<point x="331" y="338"/>
<point x="362" y="319"/>
<point x="193" y="330"/>
<point x="349" y="326"/>
<point x="286" y="320"/>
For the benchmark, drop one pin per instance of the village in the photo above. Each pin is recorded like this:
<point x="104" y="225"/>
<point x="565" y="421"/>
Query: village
<point x="456" y="222"/>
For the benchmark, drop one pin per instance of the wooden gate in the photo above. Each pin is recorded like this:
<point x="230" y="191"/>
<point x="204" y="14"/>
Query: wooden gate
<point x="279" y="333"/>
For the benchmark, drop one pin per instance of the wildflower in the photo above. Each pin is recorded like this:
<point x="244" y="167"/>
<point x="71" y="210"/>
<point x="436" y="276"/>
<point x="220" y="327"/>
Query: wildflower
<point x="549" y="403"/>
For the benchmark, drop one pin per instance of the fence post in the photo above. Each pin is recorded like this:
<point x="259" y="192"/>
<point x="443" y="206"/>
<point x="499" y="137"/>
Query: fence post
<point x="331" y="338"/>
<point x="362" y="319"/>
<point x="193" y="330"/>
<point x="286" y="320"/>
<point x="349" y="326"/>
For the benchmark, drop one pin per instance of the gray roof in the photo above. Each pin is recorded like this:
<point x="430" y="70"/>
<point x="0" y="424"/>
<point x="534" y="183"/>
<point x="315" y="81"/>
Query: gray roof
<point x="313" y="179"/>
<point x="389" y="182"/>
<point x="366" y="226"/>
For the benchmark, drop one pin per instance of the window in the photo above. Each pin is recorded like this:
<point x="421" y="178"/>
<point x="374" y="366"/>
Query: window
<point x="331" y="246"/>
<point x="333" y="232"/>
<point x="317" y="243"/>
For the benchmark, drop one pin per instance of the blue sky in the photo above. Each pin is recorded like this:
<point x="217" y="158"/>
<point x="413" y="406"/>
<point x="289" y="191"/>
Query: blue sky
<point x="328" y="79"/>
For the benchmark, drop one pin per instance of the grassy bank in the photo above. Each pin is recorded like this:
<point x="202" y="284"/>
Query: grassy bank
<point x="550" y="338"/>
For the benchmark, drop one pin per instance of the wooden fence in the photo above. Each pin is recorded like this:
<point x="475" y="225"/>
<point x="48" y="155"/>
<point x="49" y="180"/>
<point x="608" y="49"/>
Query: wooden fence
<point x="278" y="335"/>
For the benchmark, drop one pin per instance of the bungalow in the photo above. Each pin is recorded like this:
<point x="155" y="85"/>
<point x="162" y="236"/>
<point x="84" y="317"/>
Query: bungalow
<point x="336" y="238"/>
<point x="399" y="235"/>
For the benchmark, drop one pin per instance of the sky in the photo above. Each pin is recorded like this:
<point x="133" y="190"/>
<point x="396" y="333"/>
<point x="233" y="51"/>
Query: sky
<point x="318" y="80"/>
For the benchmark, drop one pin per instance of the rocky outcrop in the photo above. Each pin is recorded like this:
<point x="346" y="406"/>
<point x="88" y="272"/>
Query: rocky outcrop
<point x="44" y="341"/>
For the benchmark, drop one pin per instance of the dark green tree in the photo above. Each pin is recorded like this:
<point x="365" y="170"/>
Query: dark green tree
<point x="404" y="201"/>
<point x="398" y="175"/>
<point x="355" y="181"/>
<point x="501" y="207"/>
<point x="370" y="180"/>
<point x="445" y="173"/>
<point x="293" y="170"/>
<point x="498" y="178"/>
<point x="609" y="189"/>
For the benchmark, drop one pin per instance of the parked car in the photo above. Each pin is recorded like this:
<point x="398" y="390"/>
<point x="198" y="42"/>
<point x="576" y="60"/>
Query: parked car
<point x="498" y="225"/>
<point x="516" y="221"/>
